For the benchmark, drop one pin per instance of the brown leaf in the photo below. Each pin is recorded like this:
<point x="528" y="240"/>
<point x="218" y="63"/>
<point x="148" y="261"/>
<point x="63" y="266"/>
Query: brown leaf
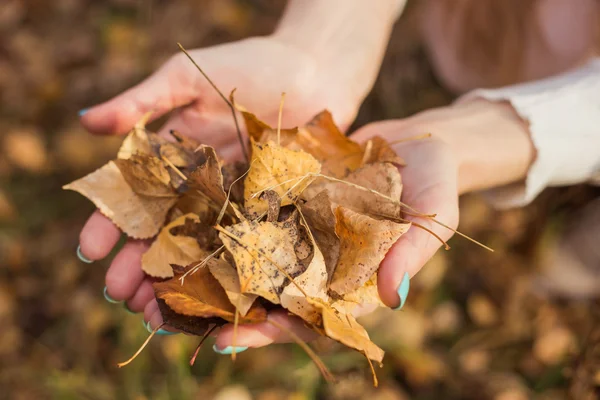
<point x="318" y="213"/>
<point x="208" y="178"/>
<point x="344" y="328"/>
<point x="364" y="242"/>
<point x="279" y="169"/>
<point x="377" y="149"/>
<point x="231" y="173"/>
<point x="201" y="295"/>
<point x="382" y="178"/>
<point x="274" y="204"/>
<point x="230" y="281"/>
<point x="146" y="175"/>
<point x="139" y="217"/>
<point x="324" y="141"/>
<point x="262" y="250"/>
<point x="192" y="325"/>
<point x="170" y="248"/>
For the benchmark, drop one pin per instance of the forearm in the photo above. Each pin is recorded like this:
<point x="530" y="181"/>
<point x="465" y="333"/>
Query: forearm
<point x="347" y="37"/>
<point x="533" y="135"/>
<point x="491" y="143"/>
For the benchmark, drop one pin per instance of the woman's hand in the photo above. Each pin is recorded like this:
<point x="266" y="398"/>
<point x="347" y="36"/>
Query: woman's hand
<point x="473" y="146"/>
<point x="261" y="69"/>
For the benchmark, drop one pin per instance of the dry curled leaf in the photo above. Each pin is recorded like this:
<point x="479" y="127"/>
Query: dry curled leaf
<point x="202" y="296"/>
<point x="312" y="283"/>
<point x="174" y="246"/>
<point x="262" y="251"/>
<point x="364" y="242"/>
<point x="344" y="328"/>
<point x="374" y="189"/>
<point x="337" y="154"/>
<point x="146" y="175"/>
<point x="230" y="281"/>
<point x="286" y="172"/>
<point x="139" y="217"/>
<point x="208" y="179"/>
<point x="320" y="218"/>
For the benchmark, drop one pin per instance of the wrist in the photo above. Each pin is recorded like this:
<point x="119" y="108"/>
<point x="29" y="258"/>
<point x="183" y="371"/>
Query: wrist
<point x="346" y="38"/>
<point x="491" y="143"/>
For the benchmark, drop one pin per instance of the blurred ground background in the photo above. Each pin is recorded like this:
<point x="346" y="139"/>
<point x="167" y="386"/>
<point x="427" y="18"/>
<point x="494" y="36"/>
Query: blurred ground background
<point x="473" y="328"/>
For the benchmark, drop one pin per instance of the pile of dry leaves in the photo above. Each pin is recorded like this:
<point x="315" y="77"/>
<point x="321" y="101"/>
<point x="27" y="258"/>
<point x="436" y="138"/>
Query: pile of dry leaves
<point x="303" y="225"/>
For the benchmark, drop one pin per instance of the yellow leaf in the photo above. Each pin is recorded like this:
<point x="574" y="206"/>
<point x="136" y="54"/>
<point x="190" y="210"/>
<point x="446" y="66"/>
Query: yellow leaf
<point x="170" y="249"/>
<point x="286" y="172"/>
<point x="230" y="281"/>
<point x="262" y="250"/>
<point x="364" y="243"/>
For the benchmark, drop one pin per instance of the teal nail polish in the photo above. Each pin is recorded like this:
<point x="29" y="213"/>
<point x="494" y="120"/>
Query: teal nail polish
<point x="82" y="112"/>
<point x="165" y="332"/>
<point x="229" y="349"/>
<point x="108" y="298"/>
<point x="82" y="257"/>
<point x="403" y="290"/>
<point x="161" y="331"/>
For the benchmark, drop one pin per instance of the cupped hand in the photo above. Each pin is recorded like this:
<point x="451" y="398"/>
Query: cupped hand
<point x="473" y="145"/>
<point x="260" y="69"/>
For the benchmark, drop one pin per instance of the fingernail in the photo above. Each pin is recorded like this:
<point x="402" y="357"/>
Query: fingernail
<point x="128" y="309"/>
<point x="108" y="298"/>
<point x="82" y="112"/>
<point x="229" y="349"/>
<point x="161" y="331"/>
<point x="82" y="257"/>
<point x="403" y="290"/>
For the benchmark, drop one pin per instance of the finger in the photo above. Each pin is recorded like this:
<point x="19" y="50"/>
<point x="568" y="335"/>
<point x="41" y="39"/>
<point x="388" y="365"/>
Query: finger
<point x="98" y="237"/>
<point x="156" y="320"/>
<point x="264" y="333"/>
<point x="170" y="87"/>
<point x="143" y="296"/>
<point x="431" y="190"/>
<point x="150" y="309"/>
<point x="125" y="274"/>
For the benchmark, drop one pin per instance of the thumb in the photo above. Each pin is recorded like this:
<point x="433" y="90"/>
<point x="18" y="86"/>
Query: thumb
<point x="171" y="86"/>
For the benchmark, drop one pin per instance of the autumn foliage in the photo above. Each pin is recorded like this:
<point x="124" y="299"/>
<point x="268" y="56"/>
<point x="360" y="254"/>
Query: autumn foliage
<point x="303" y="225"/>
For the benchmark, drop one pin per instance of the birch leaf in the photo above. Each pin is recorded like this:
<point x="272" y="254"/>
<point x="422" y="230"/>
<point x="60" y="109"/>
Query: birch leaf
<point x="279" y="169"/>
<point x="173" y="247"/>
<point x="139" y="217"/>
<point x="364" y="242"/>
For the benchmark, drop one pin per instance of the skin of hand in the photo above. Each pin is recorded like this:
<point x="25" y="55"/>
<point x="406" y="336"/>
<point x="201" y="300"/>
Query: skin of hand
<point x="474" y="145"/>
<point x="263" y="67"/>
<point x="324" y="54"/>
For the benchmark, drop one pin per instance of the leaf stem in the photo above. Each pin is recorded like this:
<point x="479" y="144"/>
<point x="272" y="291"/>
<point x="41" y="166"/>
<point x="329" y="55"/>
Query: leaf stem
<point x="237" y="126"/>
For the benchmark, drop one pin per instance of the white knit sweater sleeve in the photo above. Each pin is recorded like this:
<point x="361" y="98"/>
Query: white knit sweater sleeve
<point x="563" y="113"/>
